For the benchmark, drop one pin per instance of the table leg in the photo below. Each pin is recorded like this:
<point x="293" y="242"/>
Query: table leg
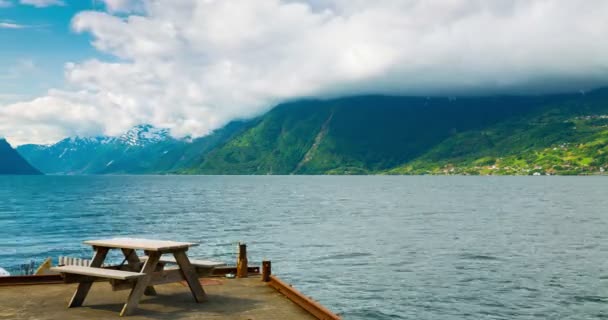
<point x="84" y="287"/>
<point x="150" y="291"/>
<point x="141" y="284"/>
<point x="135" y="265"/>
<point x="190" y="275"/>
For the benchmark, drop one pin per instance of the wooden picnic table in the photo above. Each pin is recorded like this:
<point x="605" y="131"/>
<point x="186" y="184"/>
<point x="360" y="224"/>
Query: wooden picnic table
<point x="141" y="273"/>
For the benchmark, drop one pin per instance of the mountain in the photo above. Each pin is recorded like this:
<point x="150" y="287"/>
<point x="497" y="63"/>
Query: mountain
<point x="12" y="163"/>
<point x="143" y="135"/>
<point x="566" y="136"/>
<point x="553" y="134"/>
<point x="92" y="155"/>
<point x="545" y="134"/>
<point x="143" y="149"/>
<point x="357" y="135"/>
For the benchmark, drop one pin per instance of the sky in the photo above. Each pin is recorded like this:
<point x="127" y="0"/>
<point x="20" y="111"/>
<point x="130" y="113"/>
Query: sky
<point x="93" y="67"/>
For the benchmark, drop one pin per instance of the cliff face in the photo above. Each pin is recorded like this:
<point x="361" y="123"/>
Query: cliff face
<point x="12" y="163"/>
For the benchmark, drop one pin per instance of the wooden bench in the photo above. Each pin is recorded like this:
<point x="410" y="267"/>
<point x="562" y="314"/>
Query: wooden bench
<point x="137" y="276"/>
<point x="202" y="268"/>
<point x="195" y="263"/>
<point x="98" y="272"/>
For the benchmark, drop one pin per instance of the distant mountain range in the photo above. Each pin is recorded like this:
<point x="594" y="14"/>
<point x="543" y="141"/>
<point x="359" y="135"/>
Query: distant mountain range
<point x="142" y="150"/>
<point x="12" y="163"/>
<point x="551" y="134"/>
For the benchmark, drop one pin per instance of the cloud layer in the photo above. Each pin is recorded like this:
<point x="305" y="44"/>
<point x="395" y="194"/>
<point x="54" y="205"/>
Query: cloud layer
<point x="42" y="3"/>
<point x="193" y="65"/>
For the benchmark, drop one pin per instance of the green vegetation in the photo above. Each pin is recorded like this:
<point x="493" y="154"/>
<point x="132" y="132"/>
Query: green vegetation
<point x="501" y="135"/>
<point x="274" y="145"/>
<point x="563" y="138"/>
<point x="404" y="135"/>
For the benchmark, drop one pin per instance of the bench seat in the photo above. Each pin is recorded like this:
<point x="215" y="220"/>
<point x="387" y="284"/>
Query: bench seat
<point x="193" y="262"/>
<point x="98" y="272"/>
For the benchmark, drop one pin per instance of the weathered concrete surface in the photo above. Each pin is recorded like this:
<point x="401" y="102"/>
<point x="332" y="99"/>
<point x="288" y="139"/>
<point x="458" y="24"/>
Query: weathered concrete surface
<point x="228" y="299"/>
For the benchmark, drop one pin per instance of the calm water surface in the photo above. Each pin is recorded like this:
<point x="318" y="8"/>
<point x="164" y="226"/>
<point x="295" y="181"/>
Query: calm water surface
<point x="366" y="247"/>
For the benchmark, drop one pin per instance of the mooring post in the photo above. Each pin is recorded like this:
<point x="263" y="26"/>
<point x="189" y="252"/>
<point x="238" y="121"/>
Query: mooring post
<point x="241" y="262"/>
<point x="266" y="271"/>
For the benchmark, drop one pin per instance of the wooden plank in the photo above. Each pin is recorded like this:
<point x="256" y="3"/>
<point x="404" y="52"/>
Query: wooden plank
<point x="132" y="259"/>
<point x="158" y="278"/>
<point x="313" y="307"/>
<point x="98" y="272"/>
<point x="119" y="285"/>
<point x="222" y="271"/>
<point x="194" y="262"/>
<point x="77" y="278"/>
<point x="135" y="264"/>
<point x="140" y="286"/>
<point x="84" y="287"/>
<point x="30" y="280"/>
<point x="140" y="244"/>
<point x="190" y="275"/>
<point x="167" y="276"/>
<point x="57" y="279"/>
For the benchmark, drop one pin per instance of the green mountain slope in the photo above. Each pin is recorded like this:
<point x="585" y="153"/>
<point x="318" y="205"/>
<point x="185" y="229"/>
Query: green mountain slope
<point x="568" y="136"/>
<point x="357" y="135"/>
<point x="12" y="163"/>
<point x="554" y="134"/>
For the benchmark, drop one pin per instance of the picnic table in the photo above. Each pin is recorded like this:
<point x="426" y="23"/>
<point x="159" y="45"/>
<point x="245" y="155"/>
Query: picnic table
<point x="140" y="273"/>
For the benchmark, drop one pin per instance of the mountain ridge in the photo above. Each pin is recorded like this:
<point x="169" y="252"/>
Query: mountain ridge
<point x="11" y="162"/>
<point x="143" y="149"/>
<point x="378" y="134"/>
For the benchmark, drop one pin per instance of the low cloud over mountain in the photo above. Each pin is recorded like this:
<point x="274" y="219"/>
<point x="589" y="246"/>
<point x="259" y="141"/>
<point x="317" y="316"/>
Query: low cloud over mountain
<point x="192" y="66"/>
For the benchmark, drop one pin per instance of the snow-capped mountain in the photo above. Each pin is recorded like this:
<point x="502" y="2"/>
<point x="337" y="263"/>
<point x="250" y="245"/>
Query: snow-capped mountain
<point x="76" y="155"/>
<point x="143" y="135"/>
<point x="142" y="149"/>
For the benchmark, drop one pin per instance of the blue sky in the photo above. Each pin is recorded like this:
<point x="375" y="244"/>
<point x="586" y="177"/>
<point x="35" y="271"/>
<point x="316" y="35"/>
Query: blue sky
<point x="33" y="54"/>
<point x="84" y="67"/>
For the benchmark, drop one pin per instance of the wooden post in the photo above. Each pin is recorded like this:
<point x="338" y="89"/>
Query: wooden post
<point x="241" y="262"/>
<point x="266" y="271"/>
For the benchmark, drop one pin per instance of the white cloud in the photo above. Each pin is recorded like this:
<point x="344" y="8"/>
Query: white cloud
<point x="48" y="119"/>
<point x="7" y="24"/>
<point x="5" y="4"/>
<point x="124" y="5"/>
<point x="195" y="65"/>
<point x="42" y="3"/>
<point x="11" y="25"/>
<point x="6" y="98"/>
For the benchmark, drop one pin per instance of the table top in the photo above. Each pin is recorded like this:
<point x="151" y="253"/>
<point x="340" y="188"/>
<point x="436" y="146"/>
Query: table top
<point x="143" y="244"/>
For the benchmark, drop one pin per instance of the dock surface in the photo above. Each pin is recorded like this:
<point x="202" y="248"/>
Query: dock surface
<point x="247" y="298"/>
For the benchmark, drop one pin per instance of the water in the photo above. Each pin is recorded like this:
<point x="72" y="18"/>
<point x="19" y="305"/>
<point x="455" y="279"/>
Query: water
<point x="366" y="247"/>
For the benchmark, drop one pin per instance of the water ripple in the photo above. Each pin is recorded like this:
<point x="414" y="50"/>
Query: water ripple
<point x="367" y="247"/>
